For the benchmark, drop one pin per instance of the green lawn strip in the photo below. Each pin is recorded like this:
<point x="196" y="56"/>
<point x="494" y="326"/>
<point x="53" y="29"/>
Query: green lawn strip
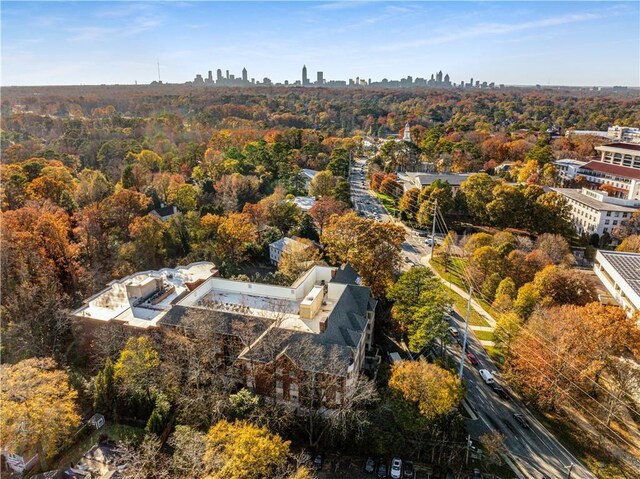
<point x="600" y="463"/>
<point x="484" y="335"/>
<point x="460" y="305"/>
<point x="388" y="203"/>
<point x="451" y="276"/>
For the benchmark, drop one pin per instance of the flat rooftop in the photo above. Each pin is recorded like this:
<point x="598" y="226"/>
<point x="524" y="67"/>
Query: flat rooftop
<point x="576" y="195"/>
<point x="161" y="289"/>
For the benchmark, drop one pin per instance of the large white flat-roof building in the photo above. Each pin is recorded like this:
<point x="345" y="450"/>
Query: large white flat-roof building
<point x="620" y="274"/>
<point x="596" y="211"/>
<point x="142" y="299"/>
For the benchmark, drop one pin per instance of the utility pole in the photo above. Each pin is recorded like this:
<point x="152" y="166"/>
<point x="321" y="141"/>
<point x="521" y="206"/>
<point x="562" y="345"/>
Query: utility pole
<point x="570" y="467"/>
<point x="466" y="457"/>
<point x="433" y="226"/>
<point x="159" y="81"/>
<point x="466" y="332"/>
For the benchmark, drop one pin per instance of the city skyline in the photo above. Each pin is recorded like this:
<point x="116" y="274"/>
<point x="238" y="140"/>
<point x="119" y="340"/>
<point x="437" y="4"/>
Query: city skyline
<point x="510" y="43"/>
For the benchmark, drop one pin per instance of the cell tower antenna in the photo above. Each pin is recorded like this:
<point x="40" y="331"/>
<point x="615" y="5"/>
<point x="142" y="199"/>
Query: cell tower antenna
<point x="159" y="81"/>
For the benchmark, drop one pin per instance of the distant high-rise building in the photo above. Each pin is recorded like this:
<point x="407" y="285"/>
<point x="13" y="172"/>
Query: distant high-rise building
<point x="305" y="78"/>
<point x="210" y="76"/>
<point x="218" y="74"/>
<point x="244" y="74"/>
<point x="439" y="77"/>
<point x="227" y="74"/>
<point x="407" y="133"/>
<point x="319" y="78"/>
<point x="447" y="80"/>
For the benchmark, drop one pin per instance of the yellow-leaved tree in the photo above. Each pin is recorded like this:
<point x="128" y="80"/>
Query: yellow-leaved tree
<point x="241" y="450"/>
<point x="38" y="407"/>
<point x="434" y="390"/>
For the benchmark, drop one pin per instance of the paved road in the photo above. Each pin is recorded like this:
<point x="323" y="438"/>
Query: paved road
<point x="536" y="452"/>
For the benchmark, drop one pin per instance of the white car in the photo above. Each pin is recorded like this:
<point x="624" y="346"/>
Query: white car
<point x="396" y="468"/>
<point x="486" y="376"/>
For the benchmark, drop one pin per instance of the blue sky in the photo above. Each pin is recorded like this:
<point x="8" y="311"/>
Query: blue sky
<point x="569" y="43"/>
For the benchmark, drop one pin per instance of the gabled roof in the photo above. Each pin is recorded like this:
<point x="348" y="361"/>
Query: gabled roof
<point x="345" y="274"/>
<point x="165" y="211"/>
<point x="623" y="171"/>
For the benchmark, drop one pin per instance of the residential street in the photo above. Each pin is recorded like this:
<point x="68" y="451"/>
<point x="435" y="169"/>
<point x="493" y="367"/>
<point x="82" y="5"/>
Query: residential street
<point x="536" y="452"/>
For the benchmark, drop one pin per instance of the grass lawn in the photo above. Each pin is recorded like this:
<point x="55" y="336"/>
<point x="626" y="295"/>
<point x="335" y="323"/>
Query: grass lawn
<point x="388" y="203"/>
<point x="113" y="432"/>
<point x="484" y="335"/>
<point x="460" y="305"/>
<point x="453" y="276"/>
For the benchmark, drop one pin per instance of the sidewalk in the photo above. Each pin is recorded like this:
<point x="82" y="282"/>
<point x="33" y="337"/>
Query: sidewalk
<point x="465" y="294"/>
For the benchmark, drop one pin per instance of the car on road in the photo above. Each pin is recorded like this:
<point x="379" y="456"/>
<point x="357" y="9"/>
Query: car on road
<point x="396" y="468"/>
<point x="370" y="465"/>
<point x="472" y="359"/>
<point x="429" y="242"/>
<point x="317" y="461"/>
<point x="486" y="376"/>
<point x="382" y="469"/>
<point x="522" y="420"/>
<point x="500" y="391"/>
<point x="408" y="471"/>
<point x="453" y="331"/>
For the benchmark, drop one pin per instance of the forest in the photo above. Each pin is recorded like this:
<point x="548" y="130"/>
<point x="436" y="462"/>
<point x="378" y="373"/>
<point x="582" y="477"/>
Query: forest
<point x="83" y="168"/>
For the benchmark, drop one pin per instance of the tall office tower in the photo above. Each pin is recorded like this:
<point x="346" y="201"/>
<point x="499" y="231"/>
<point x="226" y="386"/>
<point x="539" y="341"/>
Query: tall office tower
<point x="244" y="74"/>
<point x="227" y="72"/>
<point x="305" y="79"/>
<point x="218" y="74"/>
<point x="447" y="80"/>
<point x="320" y="79"/>
<point x="210" y="76"/>
<point x="439" y="77"/>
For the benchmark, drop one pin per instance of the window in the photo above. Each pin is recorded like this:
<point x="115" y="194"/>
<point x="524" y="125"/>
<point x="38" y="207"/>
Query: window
<point x="624" y="215"/>
<point x="606" y="222"/>
<point x="605" y="230"/>
<point x="615" y="222"/>
<point x="608" y="213"/>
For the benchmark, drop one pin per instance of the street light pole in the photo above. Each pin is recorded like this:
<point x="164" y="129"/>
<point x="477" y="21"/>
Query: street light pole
<point x="466" y="332"/>
<point x="433" y="226"/>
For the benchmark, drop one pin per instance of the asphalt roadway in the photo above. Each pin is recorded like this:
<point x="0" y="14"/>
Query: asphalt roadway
<point x="536" y="452"/>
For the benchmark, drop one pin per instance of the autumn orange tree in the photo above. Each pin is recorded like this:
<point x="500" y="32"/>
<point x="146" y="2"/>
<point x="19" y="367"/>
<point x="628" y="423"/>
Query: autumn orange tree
<point x="372" y="248"/>
<point x="565" y="350"/>
<point x="39" y="410"/>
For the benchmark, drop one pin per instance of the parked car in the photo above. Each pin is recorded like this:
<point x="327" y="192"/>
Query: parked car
<point x="382" y="469"/>
<point x="486" y="376"/>
<point x="317" y="461"/>
<point x="429" y="242"/>
<point x="370" y="465"/>
<point x="453" y="331"/>
<point x="396" y="468"/>
<point x="522" y="420"/>
<point x="500" y="391"/>
<point x="408" y="470"/>
<point x="472" y="359"/>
